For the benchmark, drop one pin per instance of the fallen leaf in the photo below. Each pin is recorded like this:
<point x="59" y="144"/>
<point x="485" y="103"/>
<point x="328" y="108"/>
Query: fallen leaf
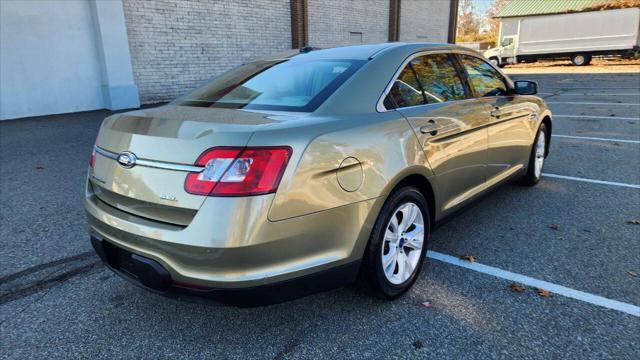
<point x="554" y="226"/>
<point x="633" y="222"/>
<point x="543" y="292"/>
<point x="427" y="304"/>
<point x="39" y="167"/>
<point x="469" y="258"/>
<point x="516" y="287"/>
<point x="632" y="273"/>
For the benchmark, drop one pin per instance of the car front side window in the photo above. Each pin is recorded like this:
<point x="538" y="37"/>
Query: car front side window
<point x="485" y="80"/>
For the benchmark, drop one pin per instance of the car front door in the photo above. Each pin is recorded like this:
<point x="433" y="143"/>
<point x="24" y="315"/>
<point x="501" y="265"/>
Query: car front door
<point x="449" y="123"/>
<point x="511" y="119"/>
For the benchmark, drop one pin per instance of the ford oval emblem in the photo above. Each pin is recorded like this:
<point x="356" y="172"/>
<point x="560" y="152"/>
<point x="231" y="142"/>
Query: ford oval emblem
<point x="127" y="160"/>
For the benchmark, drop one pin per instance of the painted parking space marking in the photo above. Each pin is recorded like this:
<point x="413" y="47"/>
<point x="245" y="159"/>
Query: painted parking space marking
<point x="602" y="182"/>
<point x="596" y="117"/>
<point x="596" y="139"/>
<point x="581" y="88"/>
<point x="592" y="94"/>
<point x="591" y="103"/>
<point x="529" y="281"/>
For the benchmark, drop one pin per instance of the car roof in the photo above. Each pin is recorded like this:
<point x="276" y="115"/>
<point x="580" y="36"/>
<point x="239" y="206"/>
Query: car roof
<point x="361" y="52"/>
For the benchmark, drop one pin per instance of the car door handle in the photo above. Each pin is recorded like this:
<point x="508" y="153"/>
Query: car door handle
<point x="430" y="128"/>
<point x="495" y="113"/>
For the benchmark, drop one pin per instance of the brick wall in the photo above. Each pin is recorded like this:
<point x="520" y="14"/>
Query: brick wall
<point x="332" y="21"/>
<point x="422" y="20"/>
<point x="176" y="45"/>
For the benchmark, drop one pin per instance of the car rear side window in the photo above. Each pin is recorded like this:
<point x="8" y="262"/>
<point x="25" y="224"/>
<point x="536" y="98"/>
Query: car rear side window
<point x="283" y="85"/>
<point x="439" y="79"/>
<point x="485" y="80"/>
<point x="426" y="79"/>
<point x="405" y="90"/>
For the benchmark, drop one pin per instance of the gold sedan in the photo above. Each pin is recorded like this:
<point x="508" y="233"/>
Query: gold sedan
<point x="310" y="170"/>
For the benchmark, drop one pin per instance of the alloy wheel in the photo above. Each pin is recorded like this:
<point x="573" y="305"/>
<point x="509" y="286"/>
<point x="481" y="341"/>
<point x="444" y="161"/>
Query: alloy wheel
<point x="403" y="242"/>
<point x="540" y="150"/>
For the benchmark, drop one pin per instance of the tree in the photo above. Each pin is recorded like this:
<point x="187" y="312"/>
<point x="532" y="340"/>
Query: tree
<point x="468" y="24"/>
<point x="494" y="23"/>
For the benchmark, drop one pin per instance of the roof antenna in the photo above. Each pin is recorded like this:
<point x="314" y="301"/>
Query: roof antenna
<point x="306" y="49"/>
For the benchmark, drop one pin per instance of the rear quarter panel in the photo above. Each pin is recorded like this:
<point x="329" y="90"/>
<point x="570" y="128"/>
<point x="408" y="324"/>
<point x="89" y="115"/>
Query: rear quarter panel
<point x="376" y="148"/>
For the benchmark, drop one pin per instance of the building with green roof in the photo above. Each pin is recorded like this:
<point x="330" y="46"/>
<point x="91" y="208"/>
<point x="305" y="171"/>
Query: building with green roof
<point x="518" y="8"/>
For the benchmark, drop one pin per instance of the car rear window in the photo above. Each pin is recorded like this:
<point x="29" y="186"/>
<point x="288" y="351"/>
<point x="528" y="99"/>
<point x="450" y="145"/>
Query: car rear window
<point x="284" y="85"/>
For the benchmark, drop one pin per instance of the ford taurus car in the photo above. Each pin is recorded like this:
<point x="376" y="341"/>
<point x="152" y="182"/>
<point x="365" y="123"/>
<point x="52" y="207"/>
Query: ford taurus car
<point x="308" y="170"/>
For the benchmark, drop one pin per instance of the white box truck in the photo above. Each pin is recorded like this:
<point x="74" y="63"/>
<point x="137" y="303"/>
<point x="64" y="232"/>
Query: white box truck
<point x="576" y="36"/>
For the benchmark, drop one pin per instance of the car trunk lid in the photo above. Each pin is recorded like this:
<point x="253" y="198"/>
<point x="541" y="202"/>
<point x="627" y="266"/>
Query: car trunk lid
<point x="165" y="142"/>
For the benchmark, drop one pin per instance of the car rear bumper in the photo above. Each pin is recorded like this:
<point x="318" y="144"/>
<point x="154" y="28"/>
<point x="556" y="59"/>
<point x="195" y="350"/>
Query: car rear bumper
<point x="151" y="275"/>
<point x="255" y="252"/>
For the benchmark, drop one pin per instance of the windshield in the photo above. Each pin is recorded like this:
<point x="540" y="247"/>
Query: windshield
<point x="283" y="85"/>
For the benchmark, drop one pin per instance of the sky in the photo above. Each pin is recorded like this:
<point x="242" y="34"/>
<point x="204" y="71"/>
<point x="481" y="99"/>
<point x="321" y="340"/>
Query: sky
<point x="481" y="6"/>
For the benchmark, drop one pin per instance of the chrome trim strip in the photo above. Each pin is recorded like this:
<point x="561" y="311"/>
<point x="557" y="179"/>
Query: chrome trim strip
<point x="105" y="153"/>
<point x="433" y="104"/>
<point x="169" y="166"/>
<point x="152" y="164"/>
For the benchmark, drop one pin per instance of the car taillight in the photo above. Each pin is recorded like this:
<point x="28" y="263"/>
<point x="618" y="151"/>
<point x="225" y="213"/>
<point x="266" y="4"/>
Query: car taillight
<point x="92" y="159"/>
<point x="238" y="171"/>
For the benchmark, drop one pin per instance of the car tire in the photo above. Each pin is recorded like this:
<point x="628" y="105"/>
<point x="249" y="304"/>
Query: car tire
<point x="581" y="59"/>
<point x="494" y="61"/>
<point x="393" y="234"/>
<point x="536" y="158"/>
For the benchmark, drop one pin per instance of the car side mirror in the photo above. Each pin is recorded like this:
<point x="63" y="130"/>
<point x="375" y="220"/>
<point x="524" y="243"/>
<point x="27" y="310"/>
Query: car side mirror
<point x="524" y="87"/>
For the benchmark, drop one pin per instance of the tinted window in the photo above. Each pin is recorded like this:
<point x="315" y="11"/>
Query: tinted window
<point x="289" y="85"/>
<point x="484" y="79"/>
<point x="405" y="90"/>
<point x="439" y="78"/>
<point x="426" y="79"/>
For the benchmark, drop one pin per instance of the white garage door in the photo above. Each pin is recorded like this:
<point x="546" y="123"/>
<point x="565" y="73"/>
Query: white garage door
<point x="49" y="62"/>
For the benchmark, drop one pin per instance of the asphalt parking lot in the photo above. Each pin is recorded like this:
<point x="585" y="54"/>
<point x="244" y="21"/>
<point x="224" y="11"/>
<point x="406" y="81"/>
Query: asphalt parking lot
<point x="574" y="231"/>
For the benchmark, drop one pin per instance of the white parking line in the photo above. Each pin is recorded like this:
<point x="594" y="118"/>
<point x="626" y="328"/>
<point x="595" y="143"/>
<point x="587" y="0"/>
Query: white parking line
<point x="596" y="117"/>
<point x="529" y="281"/>
<point x="597" y="139"/>
<point x="591" y="103"/>
<point x="582" y="88"/>
<point x="634" y="186"/>
<point x="598" y="94"/>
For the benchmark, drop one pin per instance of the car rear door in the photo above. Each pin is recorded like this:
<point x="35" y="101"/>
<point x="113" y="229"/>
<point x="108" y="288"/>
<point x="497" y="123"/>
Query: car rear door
<point x="449" y="123"/>
<point x="511" y="119"/>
